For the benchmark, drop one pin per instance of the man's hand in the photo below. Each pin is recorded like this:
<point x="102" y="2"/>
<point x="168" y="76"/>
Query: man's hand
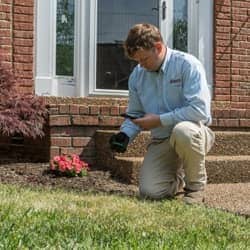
<point x="147" y="122"/>
<point x="119" y="142"/>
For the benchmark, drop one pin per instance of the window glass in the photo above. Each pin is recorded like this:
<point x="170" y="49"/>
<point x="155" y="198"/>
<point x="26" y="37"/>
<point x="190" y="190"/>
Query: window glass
<point x="115" y="18"/>
<point x="180" y="29"/>
<point x="65" y="37"/>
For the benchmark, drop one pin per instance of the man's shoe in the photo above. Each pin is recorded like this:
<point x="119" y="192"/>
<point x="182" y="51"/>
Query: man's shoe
<point x="193" y="197"/>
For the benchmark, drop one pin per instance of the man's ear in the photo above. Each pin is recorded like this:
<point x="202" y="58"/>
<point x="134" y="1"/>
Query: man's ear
<point x="158" y="46"/>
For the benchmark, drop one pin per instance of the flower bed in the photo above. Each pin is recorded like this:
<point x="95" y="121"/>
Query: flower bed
<point x="69" y="165"/>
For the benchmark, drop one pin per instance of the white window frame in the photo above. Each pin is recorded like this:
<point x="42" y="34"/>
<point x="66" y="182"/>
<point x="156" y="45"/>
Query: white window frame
<point x="200" y="32"/>
<point x="46" y="80"/>
<point x="92" y="60"/>
<point x="200" y="25"/>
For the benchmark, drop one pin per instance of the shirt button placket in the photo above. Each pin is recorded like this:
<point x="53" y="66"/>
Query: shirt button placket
<point x="160" y="93"/>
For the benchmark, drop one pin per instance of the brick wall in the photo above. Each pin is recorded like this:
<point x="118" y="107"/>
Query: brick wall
<point x="73" y="127"/>
<point x="5" y="31"/>
<point x="16" y="40"/>
<point x="232" y="63"/>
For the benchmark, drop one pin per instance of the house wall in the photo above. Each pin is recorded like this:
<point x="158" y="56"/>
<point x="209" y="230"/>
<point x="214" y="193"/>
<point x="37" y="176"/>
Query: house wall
<point x="17" y="40"/>
<point x="232" y="63"/>
<point x="73" y="121"/>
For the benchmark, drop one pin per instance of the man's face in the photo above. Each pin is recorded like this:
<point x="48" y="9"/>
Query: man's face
<point x="148" y="59"/>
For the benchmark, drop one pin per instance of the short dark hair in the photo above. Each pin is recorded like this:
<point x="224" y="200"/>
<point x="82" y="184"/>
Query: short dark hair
<point x="141" y="36"/>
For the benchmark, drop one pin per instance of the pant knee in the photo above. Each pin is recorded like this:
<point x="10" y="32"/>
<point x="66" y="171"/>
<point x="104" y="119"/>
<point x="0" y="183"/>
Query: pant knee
<point x="181" y="134"/>
<point x="154" y="193"/>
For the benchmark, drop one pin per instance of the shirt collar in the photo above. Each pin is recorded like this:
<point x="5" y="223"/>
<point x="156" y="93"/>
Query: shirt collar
<point x="165" y="63"/>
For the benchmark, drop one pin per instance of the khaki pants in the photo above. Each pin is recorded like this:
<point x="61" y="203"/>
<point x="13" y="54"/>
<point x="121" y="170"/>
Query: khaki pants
<point x="177" y="161"/>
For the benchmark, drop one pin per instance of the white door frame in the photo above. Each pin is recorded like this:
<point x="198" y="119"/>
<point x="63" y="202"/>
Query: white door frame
<point x="200" y="14"/>
<point x="46" y="80"/>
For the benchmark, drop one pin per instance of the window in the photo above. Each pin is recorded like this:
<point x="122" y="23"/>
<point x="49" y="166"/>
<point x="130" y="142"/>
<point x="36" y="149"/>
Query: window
<point x="79" y="42"/>
<point x="114" y="18"/>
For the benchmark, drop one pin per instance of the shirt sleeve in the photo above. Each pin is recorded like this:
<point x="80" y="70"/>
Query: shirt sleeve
<point x="196" y="96"/>
<point x="134" y="108"/>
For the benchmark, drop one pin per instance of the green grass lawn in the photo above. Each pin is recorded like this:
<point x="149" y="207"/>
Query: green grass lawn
<point x="46" y="219"/>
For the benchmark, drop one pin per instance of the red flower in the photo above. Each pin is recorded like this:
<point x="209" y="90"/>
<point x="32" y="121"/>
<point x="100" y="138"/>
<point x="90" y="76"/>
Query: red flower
<point x="69" y="164"/>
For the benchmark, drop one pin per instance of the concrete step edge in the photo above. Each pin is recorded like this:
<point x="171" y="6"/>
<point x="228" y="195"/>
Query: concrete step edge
<point x="208" y="158"/>
<point x="229" y="133"/>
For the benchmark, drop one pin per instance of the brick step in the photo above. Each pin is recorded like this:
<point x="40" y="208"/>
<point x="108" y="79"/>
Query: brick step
<point x="220" y="169"/>
<point x="226" y="143"/>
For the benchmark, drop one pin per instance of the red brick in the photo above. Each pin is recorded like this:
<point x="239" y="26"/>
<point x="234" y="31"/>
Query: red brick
<point x="240" y="78"/>
<point x="61" y="141"/>
<point x="74" y="109"/>
<point x="23" y="66"/>
<point x="245" y="123"/>
<point x="226" y="57"/>
<point x="5" y="40"/>
<point x="222" y="29"/>
<point x="74" y="131"/>
<point x="248" y="113"/>
<point x="222" y="98"/>
<point x="244" y="98"/>
<point x="24" y="2"/>
<point x="226" y="23"/>
<point x="83" y="110"/>
<point x="23" y="18"/>
<point x="224" y="15"/>
<point x="5" y="24"/>
<point x="228" y="122"/>
<point x="23" y="42"/>
<point x="5" y="16"/>
<point x="70" y="150"/>
<point x="94" y="110"/>
<point x="23" y="34"/>
<point x="63" y="109"/>
<point x="237" y="113"/>
<point x="114" y="110"/>
<point x="220" y="70"/>
<point x="222" y="91"/>
<point x="53" y="111"/>
<point x="105" y="110"/>
<point x="23" y="58"/>
<point x="221" y="113"/>
<point x="123" y="109"/>
<point x="23" y="26"/>
<point x="5" y="8"/>
<point x="222" y="77"/>
<point x="223" y="9"/>
<point x="27" y="10"/>
<point x="223" y="2"/>
<point x="23" y="74"/>
<point x="6" y="1"/>
<point x="222" y="84"/>
<point x="240" y="11"/>
<point x="85" y="120"/>
<point x="110" y="121"/>
<point x="82" y="141"/>
<point x="59" y="120"/>
<point x="239" y="105"/>
<point x="241" y="4"/>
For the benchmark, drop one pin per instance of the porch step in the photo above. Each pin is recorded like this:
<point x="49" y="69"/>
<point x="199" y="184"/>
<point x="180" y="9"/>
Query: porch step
<point x="220" y="169"/>
<point x="228" y="161"/>
<point x="226" y="143"/>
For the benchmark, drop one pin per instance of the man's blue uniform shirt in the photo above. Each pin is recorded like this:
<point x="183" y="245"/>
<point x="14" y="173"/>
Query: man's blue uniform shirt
<point x="177" y="92"/>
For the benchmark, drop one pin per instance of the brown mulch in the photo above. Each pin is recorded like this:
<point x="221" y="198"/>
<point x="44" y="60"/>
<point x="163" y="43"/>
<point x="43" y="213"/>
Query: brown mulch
<point x="230" y="197"/>
<point x="39" y="174"/>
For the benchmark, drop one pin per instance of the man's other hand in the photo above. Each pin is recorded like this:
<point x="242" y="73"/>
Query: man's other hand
<point x="147" y="122"/>
<point x="119" y="142"/>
